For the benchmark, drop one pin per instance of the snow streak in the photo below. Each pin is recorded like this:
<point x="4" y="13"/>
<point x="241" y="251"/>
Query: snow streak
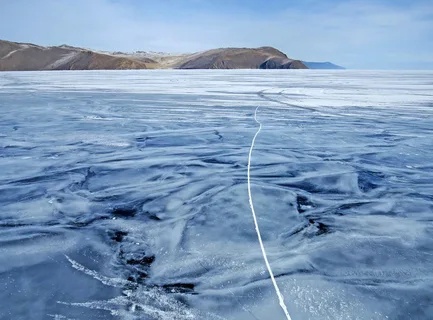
<point x="259" y="236"/>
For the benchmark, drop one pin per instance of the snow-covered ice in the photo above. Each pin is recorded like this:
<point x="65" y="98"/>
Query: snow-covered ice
<point x="124" y="194"/>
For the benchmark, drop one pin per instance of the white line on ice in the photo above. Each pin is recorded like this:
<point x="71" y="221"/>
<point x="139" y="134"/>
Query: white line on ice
<point x="259" y="236"/>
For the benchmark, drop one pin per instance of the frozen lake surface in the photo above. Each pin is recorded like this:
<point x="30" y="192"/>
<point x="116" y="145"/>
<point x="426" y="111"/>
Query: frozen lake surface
<point x="124" y="195"/>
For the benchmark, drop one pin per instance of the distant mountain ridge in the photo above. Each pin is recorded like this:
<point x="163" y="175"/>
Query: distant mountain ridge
<point x="15" y="56"/>
<point x="323" y="65"/>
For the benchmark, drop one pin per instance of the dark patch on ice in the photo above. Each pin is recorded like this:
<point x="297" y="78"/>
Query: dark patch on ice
<point x="143" y="261"/>
<point x="134" y="260"/>
<point x="112" y="197"/>
<point x="217" y="161"/>
<point x="310" y="269"/>
<point x="180" y="287"/>
<point x="321" y="227"/>
<point x="12" y="225"/>
<point x="348" y="206"/>
<point x="343" y="209"/>
<point x="217" y="133"/>
<point x="141" y="142"/>
<point x="296" y="271"/>
<point x="138" y="278"/>
<point x="153" y="216"/>
<point x="303" y="204"/>
<point x="124" y="212"/>
<point x="118" y="235"/>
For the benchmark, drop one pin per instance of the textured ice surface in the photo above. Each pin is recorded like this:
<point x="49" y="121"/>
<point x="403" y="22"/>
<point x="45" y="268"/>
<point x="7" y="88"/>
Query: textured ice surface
<point x="124" y="194"/>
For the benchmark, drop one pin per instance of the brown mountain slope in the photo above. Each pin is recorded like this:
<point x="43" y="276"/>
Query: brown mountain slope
<point x="28" y="57"/>
<point x="240" y="58"/>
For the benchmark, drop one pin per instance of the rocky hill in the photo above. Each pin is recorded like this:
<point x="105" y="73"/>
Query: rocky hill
<point x="25" y="56"/>
<point x="241" y="58"/>
<point x="16" y="56"/>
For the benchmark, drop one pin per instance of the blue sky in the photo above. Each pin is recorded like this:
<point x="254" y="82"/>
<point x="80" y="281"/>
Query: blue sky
<point x="381" y="34"/>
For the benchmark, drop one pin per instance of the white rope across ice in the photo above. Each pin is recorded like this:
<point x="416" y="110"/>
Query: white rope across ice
<point x="259" y="236"/>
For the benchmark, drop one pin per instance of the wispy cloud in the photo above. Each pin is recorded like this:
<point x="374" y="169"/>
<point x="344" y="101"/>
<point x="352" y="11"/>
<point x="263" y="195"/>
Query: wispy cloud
<point x="357" y="34"/>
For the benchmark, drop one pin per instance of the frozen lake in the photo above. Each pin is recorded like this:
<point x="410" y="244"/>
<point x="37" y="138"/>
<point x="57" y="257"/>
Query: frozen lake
<point x="124" y="195"/>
